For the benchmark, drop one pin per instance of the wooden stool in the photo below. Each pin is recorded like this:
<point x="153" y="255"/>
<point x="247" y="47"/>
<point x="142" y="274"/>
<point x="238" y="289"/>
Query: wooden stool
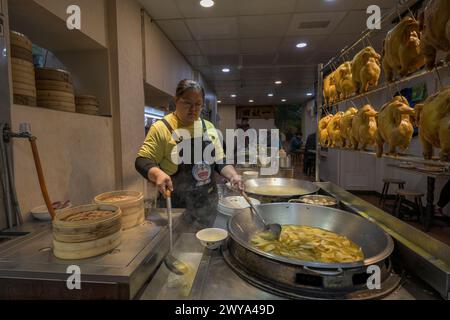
<point x="387" y="184"/>
<point x="401" y="199"/>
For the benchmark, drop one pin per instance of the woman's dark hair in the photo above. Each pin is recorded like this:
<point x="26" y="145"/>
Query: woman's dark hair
<point x="186" y="85"/>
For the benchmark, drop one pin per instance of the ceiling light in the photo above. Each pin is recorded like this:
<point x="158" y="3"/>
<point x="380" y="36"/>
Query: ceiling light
<point x="207" y="3"/>
<point x="233" y="96"/>
<point x="302" y="45"/>
<point x="225" y="70"/>
<point x="309" y="94"/>
<point x="219" y="101"/>
<point x="278" y="82"/>
<point x="283" y="100"/>
<point x="251" y="101"/>
<point x="270" y="95"/>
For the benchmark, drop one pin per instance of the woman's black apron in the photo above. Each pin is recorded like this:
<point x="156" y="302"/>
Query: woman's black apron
<point x="194" y="184"/>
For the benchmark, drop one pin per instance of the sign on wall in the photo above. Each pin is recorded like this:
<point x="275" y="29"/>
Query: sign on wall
<point x="264" y="112"/>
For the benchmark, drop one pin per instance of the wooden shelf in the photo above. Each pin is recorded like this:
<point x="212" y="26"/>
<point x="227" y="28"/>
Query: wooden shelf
<point x="42" y="108"/>
<point x="46" y="29"/>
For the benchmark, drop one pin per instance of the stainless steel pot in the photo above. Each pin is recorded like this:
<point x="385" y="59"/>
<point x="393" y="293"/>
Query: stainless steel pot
<point x="376" y="244"/>
<point x="296" y="187"/>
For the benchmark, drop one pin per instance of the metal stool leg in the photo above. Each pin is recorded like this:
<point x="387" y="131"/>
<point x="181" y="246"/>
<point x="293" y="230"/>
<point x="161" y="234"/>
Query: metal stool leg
<point x="421" y="211"/>
<point x="382" y="194"/>
<point x="397" y="205"/>
<point x="383" y="203"/>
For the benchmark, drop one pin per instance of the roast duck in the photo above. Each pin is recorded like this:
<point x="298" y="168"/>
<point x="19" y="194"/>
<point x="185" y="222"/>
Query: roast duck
<point x="334" y="131"/>
<point x="329" y="89"/>
<point x="401" y="49"/>
<point x="346" y="127"/>
<point x="364" y="128"/>
<point x="394" y="125"/>
<point x="366" y="69"/>
<point x="435" y="25"/>
<point x="433" y="119"/>
<point x="323" y="132"/>
<point x="344" y="81"/>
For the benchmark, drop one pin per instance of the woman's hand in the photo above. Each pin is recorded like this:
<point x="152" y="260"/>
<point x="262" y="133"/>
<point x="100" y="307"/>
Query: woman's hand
<point x="162" y="180"/>
<point x="237" y="183"/>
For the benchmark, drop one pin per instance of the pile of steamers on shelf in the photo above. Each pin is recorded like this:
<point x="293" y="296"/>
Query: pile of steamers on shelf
<point x="44" y="87"/>
<point x="408" y="47"/>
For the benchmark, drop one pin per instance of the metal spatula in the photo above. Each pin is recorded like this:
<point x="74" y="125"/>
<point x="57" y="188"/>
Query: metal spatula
<point x="274" y="228"/>
<point x="173" y="264"/>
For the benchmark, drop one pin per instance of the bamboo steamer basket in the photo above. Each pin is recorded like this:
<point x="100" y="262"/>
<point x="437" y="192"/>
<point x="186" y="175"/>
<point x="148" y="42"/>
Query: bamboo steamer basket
<point x="21" y="53"/>
<point x="52" y="85"/>
<point x="20" y="40"/>
<point x="24" y="100"/>
<point x="53" y="74"/>
<point x="86" y="99"/>
<point x="23" y="77"/>
<point x="24" y="87"/>
<point x="89" y="238"/>
<point x="132" y="207"/>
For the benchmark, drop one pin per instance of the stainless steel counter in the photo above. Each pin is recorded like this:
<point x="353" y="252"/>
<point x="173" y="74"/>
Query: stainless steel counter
<point x="28" y="267"/>
<point x="212" y="278"/>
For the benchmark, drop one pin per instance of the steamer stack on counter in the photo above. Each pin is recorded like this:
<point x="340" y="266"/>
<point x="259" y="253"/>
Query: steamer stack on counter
<point x="131" y="203"/>
<point x="86" y="231"/>
<point x="87" y="104"/>
<point x="55" y="89"/>
<point x="24" y="85"/>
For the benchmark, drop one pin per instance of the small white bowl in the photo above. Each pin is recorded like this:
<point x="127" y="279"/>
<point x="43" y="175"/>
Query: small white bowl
<point x="212" y="238"/>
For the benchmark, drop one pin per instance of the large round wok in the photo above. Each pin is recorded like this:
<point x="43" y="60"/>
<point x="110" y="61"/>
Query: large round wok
<point x="375" y="243"/>
<point x="296" y="188"/>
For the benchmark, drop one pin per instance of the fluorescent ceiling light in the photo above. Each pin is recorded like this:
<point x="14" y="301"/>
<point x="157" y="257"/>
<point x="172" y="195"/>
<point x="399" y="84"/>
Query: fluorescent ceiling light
<point x="283" y="100"/>
<point x="233" y="96"/>
<point x="302" y="45"/>
<point x="225" y="70"/>
<point x="270" y="95"/>
<point x="309" y="94"/>
<point x="207" y="3"/>
<point x="278" y="82"/>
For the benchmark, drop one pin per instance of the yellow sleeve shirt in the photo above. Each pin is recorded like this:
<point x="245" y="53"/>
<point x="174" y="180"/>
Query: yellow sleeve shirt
<point x="159" y="143"/>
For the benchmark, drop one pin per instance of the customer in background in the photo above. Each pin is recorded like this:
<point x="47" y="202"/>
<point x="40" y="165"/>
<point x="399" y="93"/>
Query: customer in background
<point x="310" y="156"/>
<point x="244" y="124"/>
<point x="296" y="143"/>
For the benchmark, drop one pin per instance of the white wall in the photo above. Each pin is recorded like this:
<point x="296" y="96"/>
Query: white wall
<point x="227" y="117"/>
<point x="164" y="65"/>
<point x="76" y="151"/>
<point x="93" y="16"/>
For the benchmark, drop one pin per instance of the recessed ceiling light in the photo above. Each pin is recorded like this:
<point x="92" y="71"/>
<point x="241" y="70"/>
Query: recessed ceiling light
<point x="278" y="82"/>
<point x="270" y="95"/>
<point x="309" y="94"/>
<point x="283" y="100"/>
<point x="219" y="101"/>
<point x="251" y="101"/>
<point x="302" y="45"/>
<point x="233" y="96"/>
<point x="226" y="70"/>
<point x="207" y="3"/>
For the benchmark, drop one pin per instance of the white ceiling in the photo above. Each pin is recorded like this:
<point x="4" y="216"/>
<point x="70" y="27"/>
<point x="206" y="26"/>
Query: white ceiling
<point x="256" y="39"/>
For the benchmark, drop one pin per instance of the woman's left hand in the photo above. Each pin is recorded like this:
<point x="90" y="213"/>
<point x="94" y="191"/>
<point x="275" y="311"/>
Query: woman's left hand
<point x="236" y="182"/>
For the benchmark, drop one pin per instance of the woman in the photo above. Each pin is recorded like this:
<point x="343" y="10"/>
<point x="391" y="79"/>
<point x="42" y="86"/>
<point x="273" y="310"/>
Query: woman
<point x="192" y="181"/>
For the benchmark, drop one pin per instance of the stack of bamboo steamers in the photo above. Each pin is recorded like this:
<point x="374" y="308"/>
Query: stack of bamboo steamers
<point x="24" y="85"/>
<point x="91" y="230"/>
<point x="55" y="89"/>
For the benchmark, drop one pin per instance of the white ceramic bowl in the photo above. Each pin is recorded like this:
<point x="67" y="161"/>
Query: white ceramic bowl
<point x="212" y="238"/>
<point x="41" y="212"/>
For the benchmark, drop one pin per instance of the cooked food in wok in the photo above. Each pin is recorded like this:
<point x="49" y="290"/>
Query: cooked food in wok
<point x="309" y="244"/>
